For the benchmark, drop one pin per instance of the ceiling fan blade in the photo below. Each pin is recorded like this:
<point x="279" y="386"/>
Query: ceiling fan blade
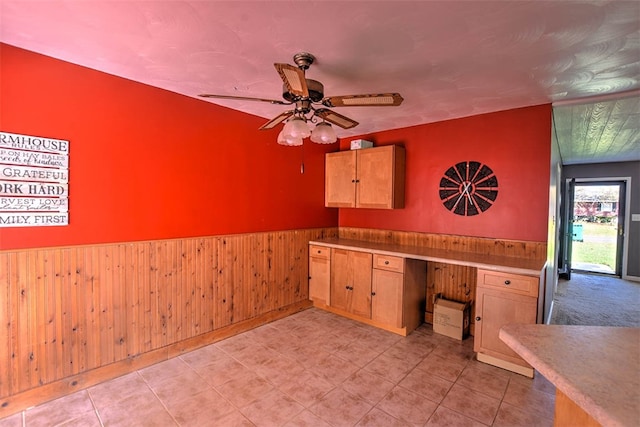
<point x="277" y="120"/>
<point x="335" y="118"/>
<point x="367" y="100"/>
<point x="245" y="98"/>
<point x="294" y="80"/>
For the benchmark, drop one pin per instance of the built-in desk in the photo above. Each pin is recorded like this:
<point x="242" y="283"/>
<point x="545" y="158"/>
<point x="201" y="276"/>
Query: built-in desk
<point x="596" y="370"/>
<point x="505" y="264"/>
<point x="384" y="285"/>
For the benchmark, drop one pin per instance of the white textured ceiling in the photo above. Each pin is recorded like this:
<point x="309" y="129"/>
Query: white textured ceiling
<point x="448" y="59"/>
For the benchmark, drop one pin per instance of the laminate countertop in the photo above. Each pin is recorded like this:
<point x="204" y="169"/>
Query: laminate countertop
<point x="597" y="367"/>
<point x="507" y="264"/>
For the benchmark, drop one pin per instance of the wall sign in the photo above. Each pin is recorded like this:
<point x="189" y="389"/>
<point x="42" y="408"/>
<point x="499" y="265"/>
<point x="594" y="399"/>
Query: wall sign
<point x="34" y="181"/>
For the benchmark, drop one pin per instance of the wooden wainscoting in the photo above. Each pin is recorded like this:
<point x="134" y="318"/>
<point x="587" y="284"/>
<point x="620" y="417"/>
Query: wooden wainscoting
<point x="454" y="282"/>
<point x="73" y="316"/>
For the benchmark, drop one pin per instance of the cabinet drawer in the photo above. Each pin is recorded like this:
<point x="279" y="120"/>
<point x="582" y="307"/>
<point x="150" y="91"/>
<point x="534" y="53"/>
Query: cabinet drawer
<point x="525" y="285"/>
<point x="391" y="263"/>
<point x="319" y="251"/>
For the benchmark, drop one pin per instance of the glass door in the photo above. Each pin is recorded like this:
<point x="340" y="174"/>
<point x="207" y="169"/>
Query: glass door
<point x="597" y="226"/>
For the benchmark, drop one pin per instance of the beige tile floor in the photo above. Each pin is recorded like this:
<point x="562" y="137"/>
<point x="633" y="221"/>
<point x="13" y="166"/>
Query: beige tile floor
<point x="311" y="369"/>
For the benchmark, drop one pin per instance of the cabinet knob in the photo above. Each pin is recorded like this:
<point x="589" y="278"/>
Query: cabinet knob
<point x="347" y="287"/>
<point x="373" y="294"/>
<point x="353" y="180"/>
<point x="507" y="282"/>
<point x="319" y="251"/>
<point x="478" y="319"/>
<point x="386" y="263"/>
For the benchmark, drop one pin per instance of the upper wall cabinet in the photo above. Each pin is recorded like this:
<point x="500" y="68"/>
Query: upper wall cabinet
<point x="366" y="178"/>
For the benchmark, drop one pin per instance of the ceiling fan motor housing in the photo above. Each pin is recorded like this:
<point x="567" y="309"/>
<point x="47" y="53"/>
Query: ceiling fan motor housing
<point x="316" y="91"/>
<point x="303" y="60"/>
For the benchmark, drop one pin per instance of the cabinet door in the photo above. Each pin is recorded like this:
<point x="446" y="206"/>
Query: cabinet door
<point x="340" y="179"/>
<point x="494" y="309"/>
<point x="351" y="281"/>
<point x="340" y="281"/>
<point x="386" y="297"/>
<point x="380" y="177"/>
<point x="361" y="284"/>
<point x="319" y="276"/>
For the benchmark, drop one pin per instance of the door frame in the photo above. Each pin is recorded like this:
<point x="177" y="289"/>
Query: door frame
<point x="626" y="215"/>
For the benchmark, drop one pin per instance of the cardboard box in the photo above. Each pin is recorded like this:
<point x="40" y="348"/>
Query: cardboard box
<point x="357" y="144"/>
<point x="451" y="318"/>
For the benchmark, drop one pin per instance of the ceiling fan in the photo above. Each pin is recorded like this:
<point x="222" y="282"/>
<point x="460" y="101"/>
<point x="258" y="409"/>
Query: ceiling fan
<point x="309" y="102"/>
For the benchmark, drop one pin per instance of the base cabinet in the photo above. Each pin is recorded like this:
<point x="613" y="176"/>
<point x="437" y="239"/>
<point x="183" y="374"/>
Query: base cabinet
<point x="384" y="291"/>
<point x="319" y="274"/>
<point x="503" y="298"/>
<point x="398" y="291"/>
<point x="384" y="285"/>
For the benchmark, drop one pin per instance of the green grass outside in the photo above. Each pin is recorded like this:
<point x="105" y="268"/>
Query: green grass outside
<point x="598" y="251"/>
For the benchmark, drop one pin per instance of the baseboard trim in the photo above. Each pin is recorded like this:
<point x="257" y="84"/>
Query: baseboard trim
<point x="27" y="399"/>
<point x="518" y="369"/>
<point x="400" y="331"/>
<point x="550" y="315"/>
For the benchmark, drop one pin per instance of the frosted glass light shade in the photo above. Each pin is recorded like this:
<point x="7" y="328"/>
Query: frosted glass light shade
<point x="324" y="134"/>
<point x="296" y="128"/>
<point x="287" y="140"/>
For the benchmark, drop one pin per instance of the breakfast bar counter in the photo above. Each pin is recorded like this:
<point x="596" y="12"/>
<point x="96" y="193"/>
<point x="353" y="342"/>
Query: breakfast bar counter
<point x="596" y="369"/>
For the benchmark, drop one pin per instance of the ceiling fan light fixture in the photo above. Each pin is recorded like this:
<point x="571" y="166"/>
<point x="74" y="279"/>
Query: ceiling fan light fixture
<point x="296" y="128"/>
<point x="324" y="134"/>
<point x="287" y="140"/>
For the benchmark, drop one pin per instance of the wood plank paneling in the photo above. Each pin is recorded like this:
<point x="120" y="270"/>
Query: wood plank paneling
<point x="70" y="310"/>
<point x="5" y="327"/>
<point x="514" y="248"/>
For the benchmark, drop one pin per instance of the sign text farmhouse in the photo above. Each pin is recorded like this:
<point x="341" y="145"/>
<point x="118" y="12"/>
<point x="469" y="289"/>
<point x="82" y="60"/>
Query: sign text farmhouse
<point x="34" y="181"/>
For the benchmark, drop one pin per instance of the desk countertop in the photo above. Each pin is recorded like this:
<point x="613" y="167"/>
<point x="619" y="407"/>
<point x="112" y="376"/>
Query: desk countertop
<point x="597" y="367"/>
<point x="507" y="264"/>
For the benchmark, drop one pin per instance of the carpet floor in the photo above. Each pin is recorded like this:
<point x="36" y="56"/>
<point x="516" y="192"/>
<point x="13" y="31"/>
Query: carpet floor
<point x="596" y="300"/>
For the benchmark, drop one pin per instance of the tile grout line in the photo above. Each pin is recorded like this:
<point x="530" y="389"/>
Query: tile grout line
<point x="158" y="397"/>
<point x="95" y="408"/>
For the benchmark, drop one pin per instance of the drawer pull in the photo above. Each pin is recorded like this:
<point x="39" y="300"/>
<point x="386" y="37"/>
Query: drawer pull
<point x="478" y="319"/>
<point x="319" y="251"/>
<point x="386" y="263"/>
<point x="507" y="282"/>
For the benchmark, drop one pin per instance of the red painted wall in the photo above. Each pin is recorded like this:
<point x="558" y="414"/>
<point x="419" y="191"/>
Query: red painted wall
<point x="151" y="164"/>
<point x="515" y="144"/>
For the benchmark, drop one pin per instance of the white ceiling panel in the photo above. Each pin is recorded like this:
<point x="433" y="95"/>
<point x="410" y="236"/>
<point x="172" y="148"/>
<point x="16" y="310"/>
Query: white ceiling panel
<point x="448" y="59"/>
